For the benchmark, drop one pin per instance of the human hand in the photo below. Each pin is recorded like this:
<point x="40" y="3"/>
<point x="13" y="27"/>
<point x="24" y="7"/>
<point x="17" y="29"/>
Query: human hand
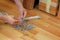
<point x="8" y="18"/>
<point x="23" y="14"/>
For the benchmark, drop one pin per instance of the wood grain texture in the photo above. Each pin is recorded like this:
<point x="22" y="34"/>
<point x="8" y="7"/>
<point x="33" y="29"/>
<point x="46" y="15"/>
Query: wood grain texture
<point x="29" y="4"/>
<point x="52" y="8"/>
<point x="42" y="6"/>
<point x="55" y="1"/>
<point x="46" y="28"/>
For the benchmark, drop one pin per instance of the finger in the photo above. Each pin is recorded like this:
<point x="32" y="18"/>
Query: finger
<point x="16" y="22"/>
<point x="25" y="14"/>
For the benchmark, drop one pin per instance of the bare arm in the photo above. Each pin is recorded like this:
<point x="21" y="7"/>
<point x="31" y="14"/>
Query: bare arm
<point x="21" y="9"/>
<point x="19" y="5"/>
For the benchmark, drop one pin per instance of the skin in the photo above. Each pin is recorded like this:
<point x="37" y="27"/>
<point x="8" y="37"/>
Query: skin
<point x="21" y="9"/>
<point x="10" y="19"/>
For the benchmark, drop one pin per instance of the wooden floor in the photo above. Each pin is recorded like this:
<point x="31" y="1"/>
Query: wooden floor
<point x="46" y="28"/>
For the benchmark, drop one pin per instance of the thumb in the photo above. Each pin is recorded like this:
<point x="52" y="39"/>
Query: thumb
<point x="24" y="14"/>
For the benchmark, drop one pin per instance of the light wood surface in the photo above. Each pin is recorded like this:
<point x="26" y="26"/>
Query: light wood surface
<point x="46" y="28"/>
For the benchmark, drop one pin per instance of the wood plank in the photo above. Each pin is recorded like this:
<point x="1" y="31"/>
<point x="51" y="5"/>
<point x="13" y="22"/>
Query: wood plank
<point x="48" y="22"/>
<point x="3" y="37"/>
<point x="10" y="32"/>
<point x="47" y="28"/>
